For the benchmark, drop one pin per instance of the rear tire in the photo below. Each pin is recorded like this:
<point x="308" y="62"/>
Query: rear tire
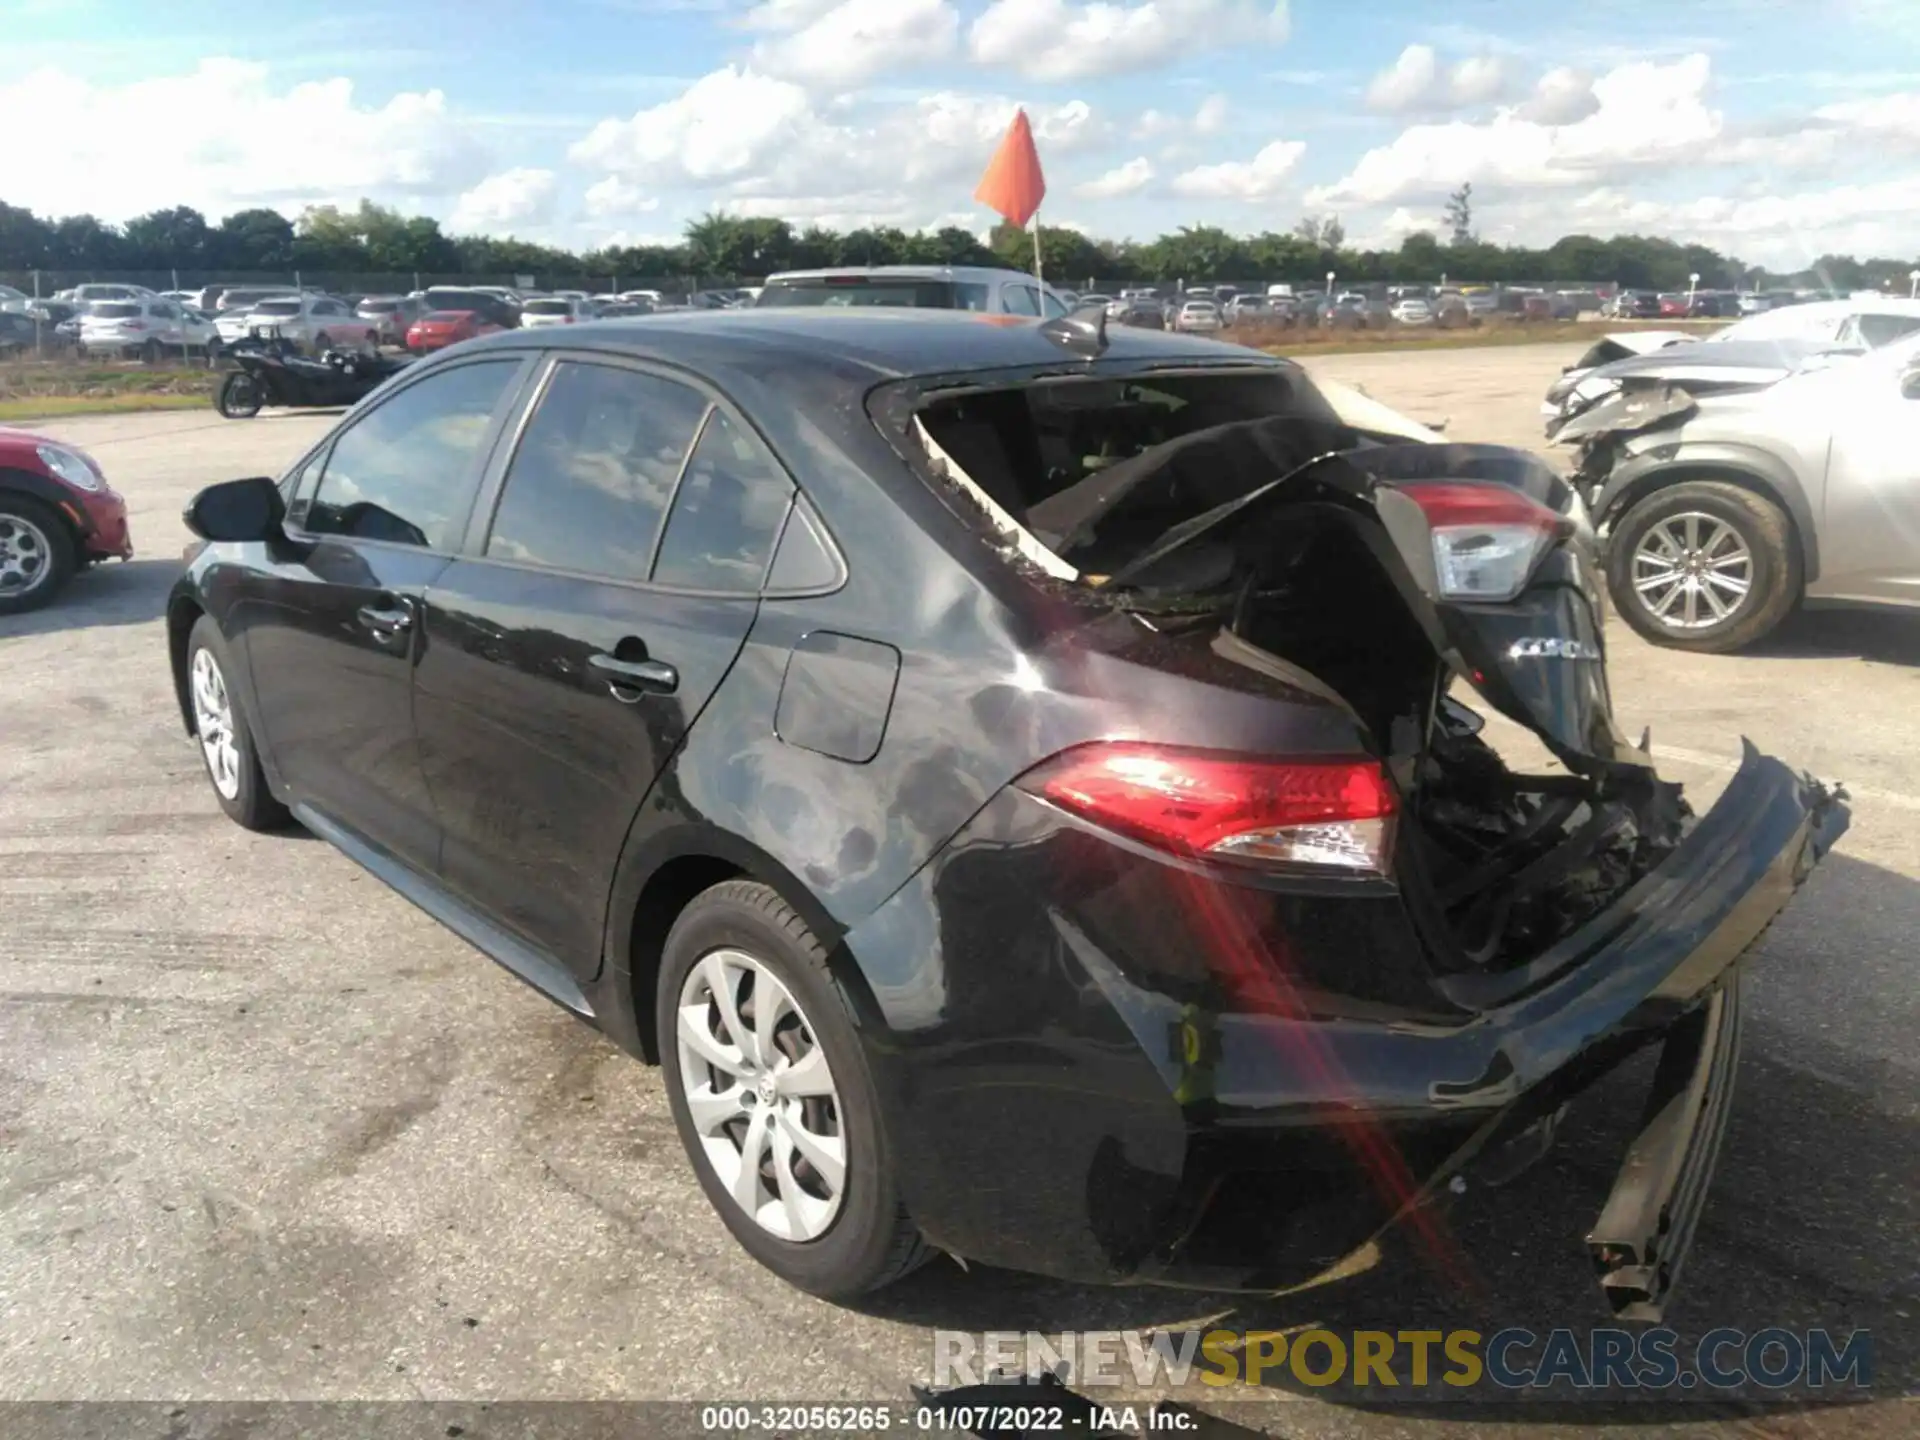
<point x="732" y="948"/>
<point x="1733" y="556"/>
<point x="224" y="735"/>
<point x="37" y="554"/>
<point x="150" y="353"/>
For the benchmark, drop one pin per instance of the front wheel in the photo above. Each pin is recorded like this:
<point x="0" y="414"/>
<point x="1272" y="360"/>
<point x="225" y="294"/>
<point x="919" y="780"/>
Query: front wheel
<point x="36" y="554"/>
<point x="240" y="397"/>
<point x="1704" y="565"/>
<point x="226" y="740"/>
<point x="772" y="1097"/>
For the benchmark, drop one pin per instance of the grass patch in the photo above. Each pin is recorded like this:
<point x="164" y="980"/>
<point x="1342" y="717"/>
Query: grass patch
<point x="55" y="407"/>
<point x="45" y="387"/>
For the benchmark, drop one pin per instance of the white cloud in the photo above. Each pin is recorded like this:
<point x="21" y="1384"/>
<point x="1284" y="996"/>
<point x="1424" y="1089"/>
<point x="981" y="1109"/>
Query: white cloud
<point x="849" y="43"/>
<point x="1072" y="40"/>
<point x="500" y="202"/>
<point x="1418" y="82"/>
<point x="1783" y="230"/>
<point x="1644" y="114"/>
<point x="1260" y="178"/>
<point x="720" y="127"/>
<point x="1209" y="119"/>
<point x="759" y="145"/>
<point x="222" y="138"/>
<point x="614" y="196"/>
<point x="1560" y="97"/>
<point x="1125" y="179"/>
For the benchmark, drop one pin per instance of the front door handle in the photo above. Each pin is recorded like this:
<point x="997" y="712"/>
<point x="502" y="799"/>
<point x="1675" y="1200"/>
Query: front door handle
<point x="629" y="680"/>
<point x="386" y="621"/>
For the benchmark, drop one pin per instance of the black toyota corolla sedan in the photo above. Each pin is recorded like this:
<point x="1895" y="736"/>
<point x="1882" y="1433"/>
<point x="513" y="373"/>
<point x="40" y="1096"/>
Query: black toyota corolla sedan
<point x="1018" y="780"/>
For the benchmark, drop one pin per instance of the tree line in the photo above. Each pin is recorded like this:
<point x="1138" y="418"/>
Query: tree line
<point x="720" y="248"/>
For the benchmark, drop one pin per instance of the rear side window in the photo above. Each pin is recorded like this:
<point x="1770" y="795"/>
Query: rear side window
<point x="548" y="307"/>
<point x="115" y="309"/>
<point x="594" y="471"/>
<point x="1878" y="330"/>
<point x="726" y="512"/>
<point x="404" y="472"/>
<point x="1020" y="299"/>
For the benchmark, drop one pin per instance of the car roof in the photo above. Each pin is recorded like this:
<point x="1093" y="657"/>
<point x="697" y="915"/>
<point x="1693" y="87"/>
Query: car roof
<point x="876" y="344"/>
<point x="906" y="272"/>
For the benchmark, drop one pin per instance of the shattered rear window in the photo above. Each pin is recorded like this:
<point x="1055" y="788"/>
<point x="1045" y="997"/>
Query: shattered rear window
<point x="1081" y="477"/>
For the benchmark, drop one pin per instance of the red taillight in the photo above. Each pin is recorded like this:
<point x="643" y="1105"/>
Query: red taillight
<point x="1486" y="538"/>
<point x="1319" y="813"/>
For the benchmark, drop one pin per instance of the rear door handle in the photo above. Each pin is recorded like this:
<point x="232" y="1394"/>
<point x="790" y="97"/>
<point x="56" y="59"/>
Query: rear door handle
<point x="387" y="621"/>
<point x="631" y="679"/>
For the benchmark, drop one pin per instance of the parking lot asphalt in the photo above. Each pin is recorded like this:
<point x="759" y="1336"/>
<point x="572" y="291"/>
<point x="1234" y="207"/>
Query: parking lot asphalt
<point x="266" y="1131"/>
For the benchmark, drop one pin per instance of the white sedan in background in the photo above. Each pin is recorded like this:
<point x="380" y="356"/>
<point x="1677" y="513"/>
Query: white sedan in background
<point x="1198" y="317"/>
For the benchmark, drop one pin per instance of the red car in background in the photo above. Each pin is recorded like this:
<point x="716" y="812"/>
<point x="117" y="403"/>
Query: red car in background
<point x="440" y="328"/>
<point x="58" y="514"/>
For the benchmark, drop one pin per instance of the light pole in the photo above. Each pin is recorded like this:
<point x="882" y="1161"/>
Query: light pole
<point x="1913" y="284"/>
<point x="1330" y="275"/>
<point x="1692" y="282"/>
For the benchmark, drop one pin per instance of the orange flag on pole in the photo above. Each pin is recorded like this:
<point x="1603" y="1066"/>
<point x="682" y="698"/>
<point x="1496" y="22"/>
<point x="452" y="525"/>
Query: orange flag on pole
<point x="1013" y="184"/>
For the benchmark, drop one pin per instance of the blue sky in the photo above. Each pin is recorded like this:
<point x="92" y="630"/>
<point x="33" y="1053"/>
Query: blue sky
<point x="1775" y="128"/>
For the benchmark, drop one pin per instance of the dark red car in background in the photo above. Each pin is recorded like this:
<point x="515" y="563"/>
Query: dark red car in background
<point x="440" y="328"/>
<point x="58" y="514"/>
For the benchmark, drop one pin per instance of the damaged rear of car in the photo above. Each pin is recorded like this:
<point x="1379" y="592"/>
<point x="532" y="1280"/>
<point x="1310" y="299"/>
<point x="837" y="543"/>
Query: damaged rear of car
<point x="1304" y="943"/>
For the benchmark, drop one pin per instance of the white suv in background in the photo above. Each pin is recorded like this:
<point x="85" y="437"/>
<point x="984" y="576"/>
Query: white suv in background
<point x="313" y="323"/>
<point x="148" y="329"/>
<point x="547" y="310"/>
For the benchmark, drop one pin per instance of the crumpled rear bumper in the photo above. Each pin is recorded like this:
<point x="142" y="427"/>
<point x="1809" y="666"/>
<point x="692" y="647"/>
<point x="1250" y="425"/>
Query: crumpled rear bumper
<point x="1131" y="1137"/>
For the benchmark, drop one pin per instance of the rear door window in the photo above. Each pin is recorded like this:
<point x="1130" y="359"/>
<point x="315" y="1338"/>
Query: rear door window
<point x="1020" y="300"/>
<point x="405" y="472"/>
<point x="726" y="511"/>
<point x="595" y="470"/>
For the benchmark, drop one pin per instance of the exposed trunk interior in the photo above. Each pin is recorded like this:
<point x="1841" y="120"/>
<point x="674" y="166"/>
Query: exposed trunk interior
<point x="1499" y="865"/>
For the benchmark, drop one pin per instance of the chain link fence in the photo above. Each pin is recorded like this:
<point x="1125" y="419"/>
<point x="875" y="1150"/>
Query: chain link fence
<point x="46" y="283"/>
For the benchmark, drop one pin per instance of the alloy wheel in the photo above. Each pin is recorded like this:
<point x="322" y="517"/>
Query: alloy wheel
<point x="761" y="1095"/>
<point x="213" y="720"/>
<point x="26" y="555"/>
<point x="1692" y="570"/>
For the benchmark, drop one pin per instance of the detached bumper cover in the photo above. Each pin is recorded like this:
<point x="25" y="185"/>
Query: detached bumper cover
<point x="1643" y="1235"/>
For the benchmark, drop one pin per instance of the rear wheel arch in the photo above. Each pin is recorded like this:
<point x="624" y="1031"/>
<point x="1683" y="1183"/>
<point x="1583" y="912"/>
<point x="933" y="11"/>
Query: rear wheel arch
<point x="1787" y="497"/>
<point x="660" y="878"/>
<point x="182" y="614"/>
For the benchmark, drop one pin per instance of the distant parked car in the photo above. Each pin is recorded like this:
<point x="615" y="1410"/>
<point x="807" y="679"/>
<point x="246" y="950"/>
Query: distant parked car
<point x="438" y="329"/>
<point x="87" y="294"/>
<point x="14" y="302"/>
<point x="1412" y="310"/>
<point x="1141" y="314"/>
<point x="391" y="315"/>
<point x="1199" y="317"/>
<point x="919" y="287"/>
<point x="58" y="514"/>
<point x="314" y="323"/>
<point x="554" y="310"/>
<point x="1243" y="308"/>
<point x="486" y="302"/>
<point x="146" y="329"/>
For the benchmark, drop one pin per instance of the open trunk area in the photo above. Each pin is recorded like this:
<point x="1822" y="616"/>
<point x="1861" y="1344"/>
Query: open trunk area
<point x="1240" y="512"/>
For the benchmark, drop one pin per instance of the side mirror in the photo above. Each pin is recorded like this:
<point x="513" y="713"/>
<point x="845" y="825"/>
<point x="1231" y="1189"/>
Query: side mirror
<point x="250" y="509"/>
<point x="1910" y="384"/>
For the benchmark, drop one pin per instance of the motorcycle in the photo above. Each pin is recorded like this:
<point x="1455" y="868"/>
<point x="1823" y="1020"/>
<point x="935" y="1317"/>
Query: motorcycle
<point x="271" y="372"/>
